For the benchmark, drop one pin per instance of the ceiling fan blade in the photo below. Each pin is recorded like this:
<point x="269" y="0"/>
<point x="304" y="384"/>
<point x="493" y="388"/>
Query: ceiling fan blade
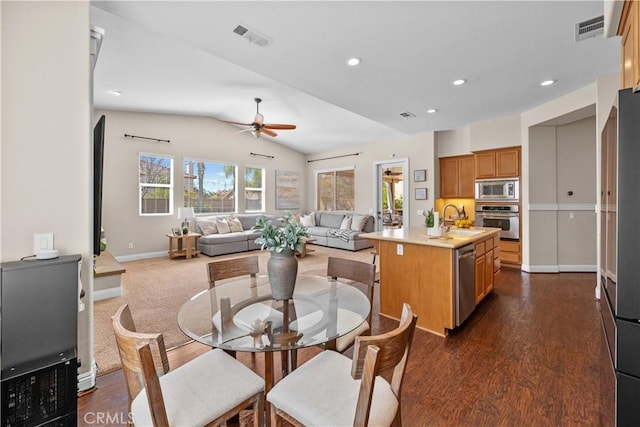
<point x="235" y="123"/>
<point x="279" y="126"/>
<point x="244" y="130"/>
<point x="268" y="132"/>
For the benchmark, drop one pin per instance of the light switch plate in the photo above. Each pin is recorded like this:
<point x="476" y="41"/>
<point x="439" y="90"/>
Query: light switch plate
<point x="400" y="249"/>
<point x="42" y="242"/>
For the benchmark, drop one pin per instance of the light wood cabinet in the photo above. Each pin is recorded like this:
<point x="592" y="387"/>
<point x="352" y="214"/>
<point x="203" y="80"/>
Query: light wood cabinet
<point x="457" y="177"/>
<point x="629" y="30"/>
<point x="503" y="163"/>
<point x="485" y="268"/>
<point x="509" y="252"/>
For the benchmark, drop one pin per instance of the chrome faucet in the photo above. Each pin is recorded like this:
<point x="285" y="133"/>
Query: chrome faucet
<point x="444" y="210"/>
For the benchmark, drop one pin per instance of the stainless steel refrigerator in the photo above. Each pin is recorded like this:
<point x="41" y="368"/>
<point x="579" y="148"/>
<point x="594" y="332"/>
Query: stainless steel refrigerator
<point x="620" y="304"/>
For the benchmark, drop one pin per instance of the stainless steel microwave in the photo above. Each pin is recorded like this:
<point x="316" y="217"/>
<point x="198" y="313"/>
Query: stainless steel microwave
<point x="497" y="190"/>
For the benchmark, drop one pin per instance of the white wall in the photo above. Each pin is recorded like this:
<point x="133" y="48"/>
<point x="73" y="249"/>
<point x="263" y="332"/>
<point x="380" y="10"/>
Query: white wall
<point x="191" y="137"/>
<point x="419" y="149"/>
<point x="46" y="137"/>
<point x="453" y="142"/>
<point x="497" y="133"/>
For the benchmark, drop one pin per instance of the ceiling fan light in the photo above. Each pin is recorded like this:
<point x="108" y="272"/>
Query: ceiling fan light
<point x="255" y="133"/>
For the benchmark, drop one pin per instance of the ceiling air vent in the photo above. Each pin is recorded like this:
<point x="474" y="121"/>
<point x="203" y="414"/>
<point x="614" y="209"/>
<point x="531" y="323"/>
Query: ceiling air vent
<point x="252" y="36"/>
<point x="407" y="114"/>
<point x="589" y="28"/>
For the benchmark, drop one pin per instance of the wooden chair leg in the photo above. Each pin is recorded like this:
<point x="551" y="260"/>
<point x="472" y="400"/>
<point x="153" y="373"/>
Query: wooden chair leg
<point x="276" y="421"/>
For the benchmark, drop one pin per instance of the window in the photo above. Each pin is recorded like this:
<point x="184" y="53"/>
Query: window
<point x="210" y="187"/>
<point x="336" y="190"/>
<point x="253" y="189"/>
<point x="156" y="184"/>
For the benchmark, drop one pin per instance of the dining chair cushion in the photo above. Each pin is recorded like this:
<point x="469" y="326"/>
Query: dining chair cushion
<point x="322" y="392"/>
<point x="345" y="341"/>
<point x="201" y="390"/>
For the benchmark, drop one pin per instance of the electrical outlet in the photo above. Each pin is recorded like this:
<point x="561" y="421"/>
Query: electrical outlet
<point x="400" y="249"/>
<point x="130" y="245"/>
<point x="572" y="215"/>
<point x="420" y="212"/>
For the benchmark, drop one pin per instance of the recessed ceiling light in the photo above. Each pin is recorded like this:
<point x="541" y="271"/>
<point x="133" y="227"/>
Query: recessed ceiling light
<point x="354" y="61"/>
<point x="116" y="92"/>
<point x="547" y="82"/>
<point x="459" y="82"/>
<point x="432" y="110"/>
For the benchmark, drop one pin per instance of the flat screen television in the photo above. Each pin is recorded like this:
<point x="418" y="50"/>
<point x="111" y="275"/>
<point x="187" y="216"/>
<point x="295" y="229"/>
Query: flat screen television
<point x="98" y="162"/>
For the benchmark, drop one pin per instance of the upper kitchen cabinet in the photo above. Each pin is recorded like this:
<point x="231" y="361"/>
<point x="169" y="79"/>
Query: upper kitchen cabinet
<point x="503" y="163"/>
<point x="629" y="30"/>
<point x="457" y="177"/>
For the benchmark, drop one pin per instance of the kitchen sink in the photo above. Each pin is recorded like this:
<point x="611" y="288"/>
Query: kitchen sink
<point x="464" y="232"/>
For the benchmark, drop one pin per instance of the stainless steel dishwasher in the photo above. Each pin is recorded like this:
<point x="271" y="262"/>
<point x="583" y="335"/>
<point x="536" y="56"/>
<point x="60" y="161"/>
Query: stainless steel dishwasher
<point x="465" y="282"/>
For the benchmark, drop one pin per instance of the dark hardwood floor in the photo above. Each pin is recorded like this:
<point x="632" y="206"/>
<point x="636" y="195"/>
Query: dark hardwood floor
<point x="532" y="354"/>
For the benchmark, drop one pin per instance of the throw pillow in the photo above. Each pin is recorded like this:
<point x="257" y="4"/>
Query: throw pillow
<point x="346" y="223"/>
<point x="208" y="227"/>
<point x="223" y="226"/>
<point x="358" y="222"/>
<point x="308" y="220"/>
<point x="234" y="224"/>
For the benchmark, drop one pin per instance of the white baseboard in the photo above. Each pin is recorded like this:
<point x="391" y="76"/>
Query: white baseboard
<point x="559" y="268"/>
<point x="87" y="380"/>
<point x="107" y="293"/>
<point x="136" y="257"/>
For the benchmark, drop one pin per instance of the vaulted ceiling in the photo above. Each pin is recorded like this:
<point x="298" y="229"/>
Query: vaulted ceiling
<point x="184" y="58"/>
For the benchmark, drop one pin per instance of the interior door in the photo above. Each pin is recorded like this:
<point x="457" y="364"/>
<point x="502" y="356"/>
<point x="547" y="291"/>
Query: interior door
<point x="392" y="194"/>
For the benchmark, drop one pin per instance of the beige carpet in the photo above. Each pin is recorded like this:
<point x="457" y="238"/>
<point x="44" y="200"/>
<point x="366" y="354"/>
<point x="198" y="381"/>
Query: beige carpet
<point x="156" y="288"/>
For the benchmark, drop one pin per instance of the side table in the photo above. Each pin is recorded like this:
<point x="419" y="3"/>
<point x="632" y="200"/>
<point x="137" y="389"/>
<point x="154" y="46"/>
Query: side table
<point x="306" y="250"/>
<point x="185" y="245"/>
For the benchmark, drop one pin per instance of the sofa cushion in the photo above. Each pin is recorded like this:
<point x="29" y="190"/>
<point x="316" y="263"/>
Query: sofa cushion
<point x="216" y="239"/>
<point x="223" y="226"/>
<point x="317" y="231"/>
<point x="308" y="220"/>
<point x="207" y="227"/>
<point x="234" y="225"/>
<point x="346" y="223"/>
<point x="331" y="220"/>
<point x="358" y="222"/>
<point x="247" y="220"/>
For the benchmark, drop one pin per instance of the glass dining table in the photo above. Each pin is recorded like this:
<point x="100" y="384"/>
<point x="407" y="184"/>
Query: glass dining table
<point x="241" y="316"/>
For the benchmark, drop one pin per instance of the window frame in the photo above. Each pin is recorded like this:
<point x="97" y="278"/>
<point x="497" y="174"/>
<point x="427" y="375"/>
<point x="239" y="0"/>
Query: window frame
<point x="263" y="203"/>
<point x="216" y="162"/>
<point x="334" y="171"/>
<point x="169" y="186"/>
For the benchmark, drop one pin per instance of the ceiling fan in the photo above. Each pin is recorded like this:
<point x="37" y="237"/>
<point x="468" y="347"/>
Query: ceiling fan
<point x="389" y="172"/>
<point x="258" y="127"/>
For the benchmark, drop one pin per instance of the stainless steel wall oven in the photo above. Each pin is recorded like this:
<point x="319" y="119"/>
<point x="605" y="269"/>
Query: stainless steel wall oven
<point x="505" y="217"/>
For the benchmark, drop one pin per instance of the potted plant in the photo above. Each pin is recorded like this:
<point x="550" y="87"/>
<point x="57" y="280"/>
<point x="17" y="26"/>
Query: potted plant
<point x="282" y="237"/>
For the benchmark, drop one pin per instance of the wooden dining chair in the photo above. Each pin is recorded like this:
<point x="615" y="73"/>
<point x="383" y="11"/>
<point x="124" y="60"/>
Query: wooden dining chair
<point x="235" y="267"/>
<point x="360" y="272"/>
<point x="333" y="390"/>
<point x="207" y="390"/>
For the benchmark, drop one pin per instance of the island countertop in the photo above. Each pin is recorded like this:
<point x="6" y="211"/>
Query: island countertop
<point x="455" y="238"/>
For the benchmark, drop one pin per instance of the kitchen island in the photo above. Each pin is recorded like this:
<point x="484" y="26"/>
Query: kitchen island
<point x="422" y="271"/>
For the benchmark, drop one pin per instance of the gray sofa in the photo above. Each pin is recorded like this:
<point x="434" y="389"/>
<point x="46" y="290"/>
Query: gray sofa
<point x="228" y="243"/>
<point x="328" y="232"/>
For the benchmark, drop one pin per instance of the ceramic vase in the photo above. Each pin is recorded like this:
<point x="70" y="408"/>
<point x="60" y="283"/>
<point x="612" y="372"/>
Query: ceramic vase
<point x="282" y="268"/>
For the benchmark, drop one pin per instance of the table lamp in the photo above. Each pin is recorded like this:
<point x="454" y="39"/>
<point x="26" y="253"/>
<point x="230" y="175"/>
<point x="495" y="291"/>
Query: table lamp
<point x="184" y="214"/>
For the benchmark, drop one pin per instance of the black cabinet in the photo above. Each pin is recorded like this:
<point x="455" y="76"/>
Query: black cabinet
<point x="38" y="342"/>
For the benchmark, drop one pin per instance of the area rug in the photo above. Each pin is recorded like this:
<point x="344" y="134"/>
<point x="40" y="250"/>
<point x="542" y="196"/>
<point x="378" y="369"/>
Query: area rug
<point x="156" y="288"/>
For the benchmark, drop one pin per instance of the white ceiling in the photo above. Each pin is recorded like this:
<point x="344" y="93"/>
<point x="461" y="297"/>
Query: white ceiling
<point x="183" y="58"/>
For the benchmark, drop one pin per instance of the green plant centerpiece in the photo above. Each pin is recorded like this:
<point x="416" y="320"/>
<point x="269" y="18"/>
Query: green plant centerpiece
<point x="283" y="237"/>
<point x="429" y="219"/>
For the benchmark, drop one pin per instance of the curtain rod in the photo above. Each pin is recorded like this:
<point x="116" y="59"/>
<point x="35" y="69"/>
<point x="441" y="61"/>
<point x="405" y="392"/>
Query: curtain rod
<point x="334" y="157"/>
<point x="144" y="137"/>
<point x="263" y="155"/>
